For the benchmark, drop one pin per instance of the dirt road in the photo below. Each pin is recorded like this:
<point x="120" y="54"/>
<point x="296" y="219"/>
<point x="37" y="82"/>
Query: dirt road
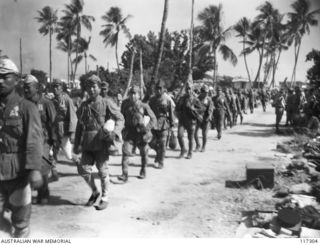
<point x="187" y="198"/>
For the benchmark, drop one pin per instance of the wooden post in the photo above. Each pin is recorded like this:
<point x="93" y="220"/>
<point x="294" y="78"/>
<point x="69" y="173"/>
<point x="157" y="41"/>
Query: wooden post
<point x="21" y="56"/>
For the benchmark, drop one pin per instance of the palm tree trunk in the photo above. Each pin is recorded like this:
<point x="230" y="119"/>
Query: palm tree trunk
<point x="117" y="59"/>
<point x="260" y="64"/>
<point x="274" y="69"/>
<point x="85" y="63"/>
<point x="296" y="54"/>
<point x="68" y="69"/>
<point x="246" y="64"/>
<point x="50" y="55"/>
<point x="77" y="50"/>
<point x="130" y="74"/>
<point x="141" y="74"/>
<point x="215" y="68"/>
<point x="161" y="41"/>
<point x="191" y="39"/>
<point x="20" y="51"/>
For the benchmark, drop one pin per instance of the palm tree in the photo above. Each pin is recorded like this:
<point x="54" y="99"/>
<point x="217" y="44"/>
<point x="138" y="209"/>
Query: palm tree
<point x="161" y="40"/>
<point x="83" y="47"/>
<point x="242" y="28"/>
<point x="300" y="22"/>
<point x="114" y="26"/>
<point x="75" y="18"/>
<point x="191" y="39"/>
<point x="214" y="36"/>
<point x="48" y="19"/>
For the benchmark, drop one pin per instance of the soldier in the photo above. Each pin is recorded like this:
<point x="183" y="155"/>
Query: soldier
<point x="290" y="107"/>
<point x="263" y="98"/>
<point x="162" y="107"/>
<point x="188" y="111"/>
<point x="92" y="136"/>
<point x="207" y="106"/>
<point x="238" y="112"/>
<point x="66" y="119"/>
<point x="220" y="105"/>
<point x="228" y="109"/>
<point x="137" y="131"/>
<point x="47" y="116"/>
<point x="20" y="152"/>
<point x="104" y="89"/>
<point x="252" y="99"/>
<point x="299" y="101"/>
<point x="279" y="105"/>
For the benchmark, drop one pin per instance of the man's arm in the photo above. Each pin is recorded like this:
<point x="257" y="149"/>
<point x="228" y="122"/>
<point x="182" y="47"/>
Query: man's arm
<point x="117" y="116"/>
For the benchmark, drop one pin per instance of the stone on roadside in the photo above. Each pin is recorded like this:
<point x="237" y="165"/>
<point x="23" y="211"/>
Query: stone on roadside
<point x="283" y="148"/>
<point x="302" y="188"/>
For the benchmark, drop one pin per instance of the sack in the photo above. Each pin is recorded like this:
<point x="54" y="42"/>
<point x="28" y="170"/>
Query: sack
<point x="172" y="141"/>
<point x="66" y="147"/>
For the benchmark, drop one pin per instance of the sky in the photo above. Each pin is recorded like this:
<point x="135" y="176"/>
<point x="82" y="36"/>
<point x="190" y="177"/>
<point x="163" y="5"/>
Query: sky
<point x="17" y="20"/>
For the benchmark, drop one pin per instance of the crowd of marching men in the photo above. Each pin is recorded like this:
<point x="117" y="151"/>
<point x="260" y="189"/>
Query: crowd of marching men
<point x="36" y="125"/>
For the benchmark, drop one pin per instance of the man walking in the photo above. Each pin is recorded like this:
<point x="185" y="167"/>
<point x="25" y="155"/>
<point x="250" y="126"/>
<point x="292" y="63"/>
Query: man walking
<point x="137" y="131"/>
<point x="20" y="152"/>
<point x="92" y="136"/>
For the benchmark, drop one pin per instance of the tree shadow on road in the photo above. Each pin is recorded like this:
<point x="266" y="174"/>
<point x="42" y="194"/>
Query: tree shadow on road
<point x="256" y="133"/>
<point x="258" y="125"/>
<point x="57" y="201"/>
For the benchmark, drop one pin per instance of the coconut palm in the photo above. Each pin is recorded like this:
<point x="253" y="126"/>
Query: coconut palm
<point x="74" y="17"/>
<point x="48" y="19"/>
<point x="115" y="24"/>
<point x="300" y="22"/>
<point x="215" y="36"/>
<point x="243" y="28"/>
<point x="83" y="47"/>
<point x="161" y="40"/>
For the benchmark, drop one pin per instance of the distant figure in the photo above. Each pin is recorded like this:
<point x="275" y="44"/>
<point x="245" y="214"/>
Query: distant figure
<point x="279" y="105"/>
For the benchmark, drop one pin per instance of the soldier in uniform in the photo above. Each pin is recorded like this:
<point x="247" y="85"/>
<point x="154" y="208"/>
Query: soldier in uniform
<point x="279" y="105"/>
<point x="207" y="106"/>
<point x="47" y="114"/>
<point x="237" y="97"/>
<point x="92" y="136"/>
<point x="290" y="107"/>
<point x="228" y="110"/>
<point x="20" y="152"/>
<point x="220" y="105"/>
<point x="104" y="89"/>
<point x="263" y="98"/>
<point x="163" y="109"/>
<point x="189" y="111"/>
<point x="66" y="119"/>
<point x="137" y="131"/>
<point x="252" y="99"/>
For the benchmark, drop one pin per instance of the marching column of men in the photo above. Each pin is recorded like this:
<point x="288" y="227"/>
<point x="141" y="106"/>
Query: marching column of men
<point x="31" y="128"/>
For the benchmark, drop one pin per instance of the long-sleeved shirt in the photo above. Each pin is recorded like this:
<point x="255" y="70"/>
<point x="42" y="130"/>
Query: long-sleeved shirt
<point x="20" y="137"/>
<point x="164" y="111"/>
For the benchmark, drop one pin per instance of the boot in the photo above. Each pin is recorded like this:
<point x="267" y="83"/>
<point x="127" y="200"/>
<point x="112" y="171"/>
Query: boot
<point x="21" y="233"/>
<point x="197" y="148"/>
<point x="142" y="173"/>
<point x="160" y="166"/>
<point x="102" y="205"/>
<point x="182" y="153"/>
<point x="123" y="177"/>
<point x="93" y="198"/>
<point x="189" y="156"/>
<point x="54" y="174"/>
<point x="203" y="149"/>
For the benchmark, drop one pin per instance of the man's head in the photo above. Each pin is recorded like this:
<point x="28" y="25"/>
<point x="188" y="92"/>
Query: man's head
<point x="160" y="88"/>
<point x="219" y="91"/>
<point x="8" y="76"/>
<point x="104" y="88"/>
<point x="57" y="87"/>
<point x="30" y="86"/>
<point x="134" y="93"/>
<point x="204" y="90"/>
<point x="93" y="86"/>
<point x="189" y="88"/>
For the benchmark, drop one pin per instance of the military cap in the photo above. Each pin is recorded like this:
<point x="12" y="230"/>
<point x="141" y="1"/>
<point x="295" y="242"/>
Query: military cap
<point x="134" y="89"/>
<point x="57" y="82"/>
<point x="30" y="79"/>
<point x="204" y="88"/>
<point x="93" y="79"/>
<point x="104" y="85"/>
<point x="219" y="89"/>
<point x="7" y="66"/>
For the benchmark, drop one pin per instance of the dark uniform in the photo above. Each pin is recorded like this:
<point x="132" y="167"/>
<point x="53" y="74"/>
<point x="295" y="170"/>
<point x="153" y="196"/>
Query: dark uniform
<point x="162" y="107"/>
<point x="207" y="106"/>
<point x="263" y="98"/>
<point x="47" y="116"/>
<point x="279" y="105"/>
<point x="252" y="100"/>
<point x="220" y="105"/>
<point x="228" y="110"/>
<point x="93" y="139"/>
<point x="238" y="109"/>
<point x="135" y="132"/>
<point x="189" y="111"/>
<point x="20" y="151"/>
<point x="290" y="107"/>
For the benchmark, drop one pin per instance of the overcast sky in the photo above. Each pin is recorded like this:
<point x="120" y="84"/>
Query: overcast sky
<point x="17" y="21"/>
